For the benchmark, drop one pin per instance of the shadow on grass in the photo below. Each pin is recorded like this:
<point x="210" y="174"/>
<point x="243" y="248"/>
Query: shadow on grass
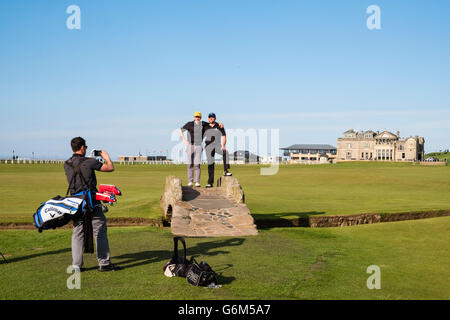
<point x="284" y="219"/>
<point x="219" y="269"/>
<point x="31" y="256"/>
<point x="203" y="249"/>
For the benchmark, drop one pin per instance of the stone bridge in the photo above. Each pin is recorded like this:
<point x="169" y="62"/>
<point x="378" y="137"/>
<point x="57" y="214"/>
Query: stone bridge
<point x="207" y="212"/>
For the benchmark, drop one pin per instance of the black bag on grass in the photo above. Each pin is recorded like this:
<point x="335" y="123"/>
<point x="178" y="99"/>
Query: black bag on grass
<point x="197" y="274"/>
<point x="201" y="274"/>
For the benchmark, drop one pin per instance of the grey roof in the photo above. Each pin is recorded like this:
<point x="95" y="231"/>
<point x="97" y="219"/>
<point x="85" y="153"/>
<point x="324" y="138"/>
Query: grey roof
<point x="244" y="153"/>
<point x="310" y="147"/>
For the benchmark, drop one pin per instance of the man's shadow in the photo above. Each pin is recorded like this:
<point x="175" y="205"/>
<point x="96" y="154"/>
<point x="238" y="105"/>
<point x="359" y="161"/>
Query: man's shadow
<point x="189" y="193"/>
<point x="40" y="254"/>
<point x="209" y="249"/>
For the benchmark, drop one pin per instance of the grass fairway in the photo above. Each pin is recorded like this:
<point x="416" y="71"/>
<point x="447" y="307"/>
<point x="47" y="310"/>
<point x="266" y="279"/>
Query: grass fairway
<point x="295" y="191"/>
<point x="289" y="263"/>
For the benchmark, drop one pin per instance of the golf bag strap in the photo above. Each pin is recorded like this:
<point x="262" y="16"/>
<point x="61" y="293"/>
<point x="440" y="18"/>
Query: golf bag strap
<point x="175" y="246"/>
<point x="88" y="232"/>
<point x="77" y="172"/>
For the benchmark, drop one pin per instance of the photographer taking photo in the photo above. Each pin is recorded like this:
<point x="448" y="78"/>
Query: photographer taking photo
<point x="80" y="173"/>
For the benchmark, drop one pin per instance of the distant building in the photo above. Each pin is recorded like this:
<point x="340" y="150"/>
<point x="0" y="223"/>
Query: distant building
<point x="242" y="157"/>
<point x="142" y="158"/>
<point x="310" y="153"/>
<point x="379" y="146"/>
<point x="271" y="159"/>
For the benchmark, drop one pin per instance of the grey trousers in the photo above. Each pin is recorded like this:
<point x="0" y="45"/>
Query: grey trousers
<point x="101" y="239"/>
<point x="194" y="157"/>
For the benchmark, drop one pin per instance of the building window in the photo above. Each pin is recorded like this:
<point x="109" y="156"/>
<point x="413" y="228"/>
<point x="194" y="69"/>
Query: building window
<point x="349" y="155"/>
<point x="349" y="145"/>
<point x="403" y="155"/>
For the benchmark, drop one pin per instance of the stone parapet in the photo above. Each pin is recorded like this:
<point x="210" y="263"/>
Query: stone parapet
<point x="232" y="188"/>
<point x="172" y="194"/>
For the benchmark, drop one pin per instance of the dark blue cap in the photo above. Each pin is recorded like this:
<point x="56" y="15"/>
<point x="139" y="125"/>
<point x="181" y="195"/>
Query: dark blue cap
<point x="212" y="115"/>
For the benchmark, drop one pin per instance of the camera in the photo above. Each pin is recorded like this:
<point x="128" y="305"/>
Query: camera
<point x="97" y="153"/>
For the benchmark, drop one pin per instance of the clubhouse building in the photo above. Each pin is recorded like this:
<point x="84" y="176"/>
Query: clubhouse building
<point x="379" y="146"/>
<point x="310" y="153"/>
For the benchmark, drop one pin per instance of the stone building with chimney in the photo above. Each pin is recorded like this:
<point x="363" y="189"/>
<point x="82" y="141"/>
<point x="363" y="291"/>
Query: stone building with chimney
<point x="379" y="146"/>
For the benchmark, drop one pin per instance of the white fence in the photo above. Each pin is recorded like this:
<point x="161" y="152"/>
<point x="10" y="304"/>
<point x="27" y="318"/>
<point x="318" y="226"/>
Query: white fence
<point x="27" y="161"/>
<point x="130" y="163"/>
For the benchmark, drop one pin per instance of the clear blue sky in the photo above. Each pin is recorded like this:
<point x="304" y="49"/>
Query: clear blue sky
<point x="137" y="70"/>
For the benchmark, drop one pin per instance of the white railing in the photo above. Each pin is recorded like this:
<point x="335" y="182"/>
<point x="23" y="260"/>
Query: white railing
<point x="29" y="161"/>
<point x="161" y="162"/>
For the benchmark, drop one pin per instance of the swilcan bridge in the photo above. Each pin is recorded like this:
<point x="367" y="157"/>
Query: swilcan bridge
<point x="207" y="212"/>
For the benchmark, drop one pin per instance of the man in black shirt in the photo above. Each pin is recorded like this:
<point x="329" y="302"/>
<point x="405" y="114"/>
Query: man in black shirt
<point x="86" y="180"/>
<point x="213" y="134"/>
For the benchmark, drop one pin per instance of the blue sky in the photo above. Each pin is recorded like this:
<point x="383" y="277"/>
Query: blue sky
<point x="137" y="70"/>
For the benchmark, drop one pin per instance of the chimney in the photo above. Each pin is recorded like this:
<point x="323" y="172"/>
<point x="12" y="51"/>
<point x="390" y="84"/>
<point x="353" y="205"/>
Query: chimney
<point x="398" y="134"/>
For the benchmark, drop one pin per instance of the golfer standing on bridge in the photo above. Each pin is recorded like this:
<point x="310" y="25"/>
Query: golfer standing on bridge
<point x="196" y="130"/>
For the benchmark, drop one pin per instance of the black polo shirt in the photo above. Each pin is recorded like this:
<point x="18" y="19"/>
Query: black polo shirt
<point x="87" y="169"/>
<point x="212" y="132"/>
<point x="195" y="131"/>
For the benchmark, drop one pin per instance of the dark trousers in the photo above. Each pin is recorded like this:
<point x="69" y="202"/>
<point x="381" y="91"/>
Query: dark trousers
<point x="226" y="164"/>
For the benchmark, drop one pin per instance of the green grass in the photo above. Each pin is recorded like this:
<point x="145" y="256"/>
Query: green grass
<point x="295" y="191"/>
<point x="289" y="263"/>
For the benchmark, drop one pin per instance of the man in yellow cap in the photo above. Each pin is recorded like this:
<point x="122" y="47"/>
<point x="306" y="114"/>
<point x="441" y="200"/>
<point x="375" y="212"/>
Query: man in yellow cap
<point x="196" y="130"/>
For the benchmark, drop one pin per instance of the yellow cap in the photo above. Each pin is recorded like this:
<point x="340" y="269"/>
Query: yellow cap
<point x="198" y="114"/>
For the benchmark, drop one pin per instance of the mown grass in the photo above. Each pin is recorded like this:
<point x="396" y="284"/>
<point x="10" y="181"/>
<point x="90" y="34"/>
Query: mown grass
<point x="295" y="191"/>
<point x="289" y="263"/>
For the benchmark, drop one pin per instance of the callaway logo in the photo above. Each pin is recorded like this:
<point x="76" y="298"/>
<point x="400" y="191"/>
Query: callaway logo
<point x="53" y="209"/>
